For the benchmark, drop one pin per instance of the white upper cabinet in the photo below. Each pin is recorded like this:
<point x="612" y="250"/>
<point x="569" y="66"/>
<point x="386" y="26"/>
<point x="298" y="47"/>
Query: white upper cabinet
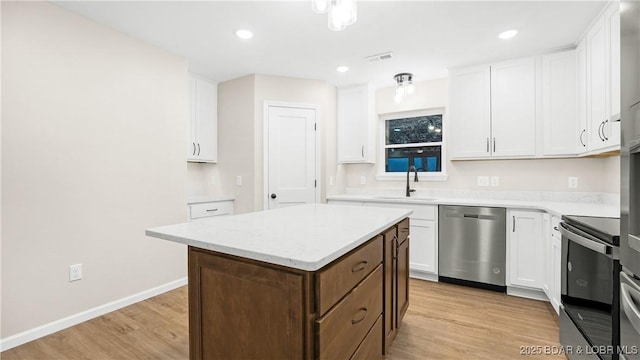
<point x="203" y="120"/>
<point x="356" y="121"/>
<point x="583" y="136"/>
<point x="513" y="108"/>
<point x="603" y="81"/>
<point x="561" y="128"/>
<point x="493" y="110"/>
<point x="470" y="112"/>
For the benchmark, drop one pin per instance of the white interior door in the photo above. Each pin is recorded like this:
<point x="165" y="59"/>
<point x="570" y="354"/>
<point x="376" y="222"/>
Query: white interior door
<point x="291" y="156"/>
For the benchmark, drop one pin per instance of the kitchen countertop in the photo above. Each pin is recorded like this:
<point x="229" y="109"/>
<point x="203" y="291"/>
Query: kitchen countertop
<point x="553" y="207"/>
<point x="205" y="199"/>
<point x="305" y="237"/>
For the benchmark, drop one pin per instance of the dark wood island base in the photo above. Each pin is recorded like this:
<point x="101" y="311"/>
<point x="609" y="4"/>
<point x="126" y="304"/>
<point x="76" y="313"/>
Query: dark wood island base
<point x="349" y="309"/>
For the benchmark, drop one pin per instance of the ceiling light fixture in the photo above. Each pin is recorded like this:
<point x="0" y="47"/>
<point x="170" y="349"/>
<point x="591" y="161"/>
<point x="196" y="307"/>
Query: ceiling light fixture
<point x="244" y="34"/>
<point x="508" y="34"/>
<point x="342" y="13"/>
<point x="342" y="69"/>
<point x="404" y="85"/>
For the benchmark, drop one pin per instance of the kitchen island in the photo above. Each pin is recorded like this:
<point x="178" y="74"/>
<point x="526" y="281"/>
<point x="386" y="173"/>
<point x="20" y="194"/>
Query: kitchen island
<point x="305" y="282"/>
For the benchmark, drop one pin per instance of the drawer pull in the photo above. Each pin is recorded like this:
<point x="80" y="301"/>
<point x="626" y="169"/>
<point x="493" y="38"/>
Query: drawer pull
<point x="359" y="266"/>
<point x="404" y="230"/>
<point x="212" y="210"/>
<point x="362" y="309"/>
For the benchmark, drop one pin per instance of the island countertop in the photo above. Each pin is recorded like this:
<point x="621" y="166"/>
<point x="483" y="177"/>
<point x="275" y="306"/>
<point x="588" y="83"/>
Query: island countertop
<point x="305" y="237"/>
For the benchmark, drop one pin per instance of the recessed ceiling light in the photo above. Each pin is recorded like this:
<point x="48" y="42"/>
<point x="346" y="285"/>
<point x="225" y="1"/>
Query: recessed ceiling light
<point x="244" y="34"/>
<point x="508" y="34"/>
<point x="342" y="68"/>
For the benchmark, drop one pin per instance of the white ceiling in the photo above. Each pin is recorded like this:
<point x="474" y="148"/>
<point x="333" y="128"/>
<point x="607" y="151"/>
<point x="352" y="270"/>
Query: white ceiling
<point x="426" y="37"/>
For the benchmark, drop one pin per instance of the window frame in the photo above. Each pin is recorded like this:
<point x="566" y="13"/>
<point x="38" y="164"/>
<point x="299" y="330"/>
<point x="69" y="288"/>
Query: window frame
<point x="423" y="175"/>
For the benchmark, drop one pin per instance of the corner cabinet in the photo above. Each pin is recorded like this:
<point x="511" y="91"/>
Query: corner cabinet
<point x="493" y="110"/>
<point x="356" y="124"/>
<point x="203" y="120"/>
<point x="525" y="246"/>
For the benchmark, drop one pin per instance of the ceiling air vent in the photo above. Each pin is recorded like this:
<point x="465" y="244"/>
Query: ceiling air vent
<point x="379" y="57"/>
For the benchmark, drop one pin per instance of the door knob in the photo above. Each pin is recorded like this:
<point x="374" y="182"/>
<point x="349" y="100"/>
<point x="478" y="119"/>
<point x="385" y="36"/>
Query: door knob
<point x="273" y="196"/>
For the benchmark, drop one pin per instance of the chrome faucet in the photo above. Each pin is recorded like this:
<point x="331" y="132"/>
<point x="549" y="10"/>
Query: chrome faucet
<point x="415" y="179"/>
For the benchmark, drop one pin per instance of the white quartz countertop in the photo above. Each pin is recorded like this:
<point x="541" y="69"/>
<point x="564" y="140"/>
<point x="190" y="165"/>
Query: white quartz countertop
<point x="197" y="199"/>
<point x="305" y="237"/>
<point x="553" y="207"/>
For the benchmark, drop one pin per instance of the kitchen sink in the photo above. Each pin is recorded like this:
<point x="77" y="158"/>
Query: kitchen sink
<point x="404" y="198"/>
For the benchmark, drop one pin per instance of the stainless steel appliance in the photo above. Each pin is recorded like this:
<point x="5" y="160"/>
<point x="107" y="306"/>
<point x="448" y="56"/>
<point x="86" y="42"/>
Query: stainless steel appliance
<point x="630" y="179"/>
<point x="590" y="287"/>
<point x="472" y="246"/>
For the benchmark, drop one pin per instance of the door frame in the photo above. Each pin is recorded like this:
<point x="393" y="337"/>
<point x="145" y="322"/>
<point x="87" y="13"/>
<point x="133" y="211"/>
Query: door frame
<point x="265" y="146"/>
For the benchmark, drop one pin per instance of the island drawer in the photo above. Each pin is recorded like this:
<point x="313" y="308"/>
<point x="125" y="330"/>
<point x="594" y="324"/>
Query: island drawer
<point x="371" y="346"/>
<point x="344" y="327"/>
<point x="340" y="277"/>
<point x="208" y="209"/>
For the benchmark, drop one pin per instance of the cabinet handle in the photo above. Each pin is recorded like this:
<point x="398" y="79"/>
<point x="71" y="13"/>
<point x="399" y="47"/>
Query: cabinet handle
<point x="514" y="224"/>
<point x="584" y="131"/>
<point x="362" y="309"/>
<point x="194" y="148"/>
<point x="395" y="246"/>
<point x="198" y="149"/>
<point x="556" y="228"/>
<point x="362" y="151"/>
<point x="212" y="210"/>
<point x="494" y="145"/>
<point x="487" y="144"/>
<point x="606" y="138"/>
<point x="359" y="266"/>
<point x="600" y="131"/>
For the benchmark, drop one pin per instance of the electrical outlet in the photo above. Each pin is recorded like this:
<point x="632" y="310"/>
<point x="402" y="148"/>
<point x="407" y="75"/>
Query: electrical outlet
<point x="363" y="180"/>
<point x="331" y="181"/>
<point x="239" y="180"/>
<point x="75" y="272"/>
<point x="483" y="181"/>
<point x="212" y="179"/>
<point x="573" y="182"/>
<point x="495" y="181"/>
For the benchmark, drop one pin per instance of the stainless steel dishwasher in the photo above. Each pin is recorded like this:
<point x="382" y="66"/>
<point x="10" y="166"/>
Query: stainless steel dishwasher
<point x="472" y="246"/>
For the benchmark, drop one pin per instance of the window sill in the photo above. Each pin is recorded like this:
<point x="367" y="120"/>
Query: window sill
<point x="403" y="177"/>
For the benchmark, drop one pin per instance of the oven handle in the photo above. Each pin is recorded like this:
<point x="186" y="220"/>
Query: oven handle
<point x="628" y="294"/>
<point x="576" y="236"/>
<point x="634" y="242"/>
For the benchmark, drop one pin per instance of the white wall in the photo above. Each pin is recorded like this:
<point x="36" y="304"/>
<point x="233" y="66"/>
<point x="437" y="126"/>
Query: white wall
<point x="594" y="174"/>
<point x="240" y="137"/>
<point x="94" y="124"/>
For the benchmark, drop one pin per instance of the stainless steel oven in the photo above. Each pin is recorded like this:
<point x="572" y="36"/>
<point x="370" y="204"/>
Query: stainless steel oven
<point x="589" y="324"/>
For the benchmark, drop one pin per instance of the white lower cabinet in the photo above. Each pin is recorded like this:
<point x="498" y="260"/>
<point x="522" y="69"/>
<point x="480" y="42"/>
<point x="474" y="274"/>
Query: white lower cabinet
<point x="525" y="246"/>
<point x="423" y="254"/>
<point x="552" y="254"/>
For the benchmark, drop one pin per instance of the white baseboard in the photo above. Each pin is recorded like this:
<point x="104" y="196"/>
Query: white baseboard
<point x="527" y="293"/>
<point x="54" y="326"/>
<point x="417" y="274"/>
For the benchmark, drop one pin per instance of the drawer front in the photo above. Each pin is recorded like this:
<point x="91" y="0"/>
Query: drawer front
<point x="371" y="346"/>
<point x="340" y="277"/>
<point x="403" y="231"/>
<point x="343" y="328"/>
<point x="210" y="209"/>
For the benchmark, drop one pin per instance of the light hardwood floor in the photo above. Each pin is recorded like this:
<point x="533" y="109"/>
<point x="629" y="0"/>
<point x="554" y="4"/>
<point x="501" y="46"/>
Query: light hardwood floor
<point x="443" y="322"/>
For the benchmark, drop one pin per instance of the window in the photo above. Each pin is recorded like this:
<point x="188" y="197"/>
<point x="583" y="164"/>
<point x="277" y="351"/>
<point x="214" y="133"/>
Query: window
<point x="416" y="139"/>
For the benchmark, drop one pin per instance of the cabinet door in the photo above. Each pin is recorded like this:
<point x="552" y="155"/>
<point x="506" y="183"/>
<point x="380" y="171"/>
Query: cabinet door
<point x="355" y="125"/>
<point x="583" y="136"/>
<point x="556" y="264"/>
<point x="206" y="121"/>
<point x="559" y="118"/>
<point x="548" y="266"/>
<point x="402" y="274"/>
<point x="596" y="84"/>
<point x="513" y="108"/>
<point x="423" y="246"/>
<point x="526" y="249"/>
<point x="191" y="100"/>
<point x="612" y="24"/>
<point x="470" y="115"/>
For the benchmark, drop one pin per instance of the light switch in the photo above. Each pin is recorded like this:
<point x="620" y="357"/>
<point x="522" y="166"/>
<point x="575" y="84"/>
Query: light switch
<point x="331" y="181"/>
<point x="573" y="182"/>
<point x="363" y="180"/>
<point x="239" y="180"/>
<point x="483" y="181"/>
<point x="495" y="181"/>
